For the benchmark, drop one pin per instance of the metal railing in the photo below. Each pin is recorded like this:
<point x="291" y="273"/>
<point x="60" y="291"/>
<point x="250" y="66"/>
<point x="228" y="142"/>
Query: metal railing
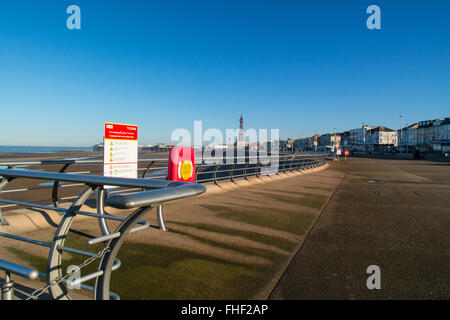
<point x="245" y="167"/>
<point x="155" y="193"/>
<point x="208" y="170"/>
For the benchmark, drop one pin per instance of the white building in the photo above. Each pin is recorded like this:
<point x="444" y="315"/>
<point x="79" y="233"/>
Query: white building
<point x="440" y="136"/>
<point x="445" y="142"/>
<point x="381" y="136"/>
<point x="407" y="137"/>
<point x="426" y="136"/>
<point x="307" y="144"/>
<point x="330" y="142"/>
<point x="358" y="137"/>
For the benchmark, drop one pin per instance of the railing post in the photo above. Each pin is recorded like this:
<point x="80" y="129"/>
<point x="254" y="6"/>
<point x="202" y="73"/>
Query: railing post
<point x="257" y="169"/>
<point x="101" y="195"/>
<point x="280" y="165"/>
<point x="147" y="169"/>
<point x="7" y="288"/>
<point x="3" y="221"/>
<point x="3" y="183"/>
<point x="231" y="172"/>
<point x="215" y="174"/>
<point x="197" y="171"/>
<point x="56" y="184"/>
<point x="159" y="214"/>
<point x="245" y="171"/>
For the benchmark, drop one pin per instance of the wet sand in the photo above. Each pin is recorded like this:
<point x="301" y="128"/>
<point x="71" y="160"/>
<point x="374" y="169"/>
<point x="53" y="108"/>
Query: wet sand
<point x="9" y="157"/>
<point x="42" y="190"/>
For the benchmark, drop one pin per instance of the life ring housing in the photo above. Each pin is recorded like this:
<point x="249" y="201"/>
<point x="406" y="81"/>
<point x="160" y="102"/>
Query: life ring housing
<point x="182" y="164"/>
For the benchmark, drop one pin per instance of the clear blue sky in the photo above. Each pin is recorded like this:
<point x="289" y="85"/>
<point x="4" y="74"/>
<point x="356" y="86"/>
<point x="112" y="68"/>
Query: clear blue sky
<point x="304" y="67"/>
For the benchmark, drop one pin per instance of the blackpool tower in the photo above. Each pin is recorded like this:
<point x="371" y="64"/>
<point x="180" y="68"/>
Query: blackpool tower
<point x="241" y="129"/>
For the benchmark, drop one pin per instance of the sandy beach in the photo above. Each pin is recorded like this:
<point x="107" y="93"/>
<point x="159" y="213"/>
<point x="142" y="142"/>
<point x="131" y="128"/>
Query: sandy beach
<point x="7" y="157"/>
<point x="42" y="190"/>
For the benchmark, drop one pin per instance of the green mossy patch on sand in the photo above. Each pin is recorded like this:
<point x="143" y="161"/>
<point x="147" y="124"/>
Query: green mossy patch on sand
<point x="296" y="222"/>
<point x="271" y="256"/>
<point x="36" y="262"/>
<point x="186" y="278"/>
<point x="161" y="272"/>
<point x="315" y="201"/>
<point x="317" y="188"/>
<point x="280" y="243"/>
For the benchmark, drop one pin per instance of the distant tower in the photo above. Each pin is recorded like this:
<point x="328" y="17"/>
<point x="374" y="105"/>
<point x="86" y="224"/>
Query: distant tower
<point x="241" y="129"/>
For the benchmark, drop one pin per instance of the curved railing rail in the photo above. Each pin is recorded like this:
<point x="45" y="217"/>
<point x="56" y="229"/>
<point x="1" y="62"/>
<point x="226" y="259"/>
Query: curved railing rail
<point x="155" y="193"/>
<point x="207" y="170"/>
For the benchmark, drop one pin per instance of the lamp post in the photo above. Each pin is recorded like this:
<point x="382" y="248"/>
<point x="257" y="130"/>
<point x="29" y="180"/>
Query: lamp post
<point x="406" y="137"/>
<point x="364" y="137"/>
<point x="334" y="143"/>
<point x="401" y="133"/>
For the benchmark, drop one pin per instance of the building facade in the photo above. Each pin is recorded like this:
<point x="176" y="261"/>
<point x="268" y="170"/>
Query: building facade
<point x="381" y="139"/>
<point x="329" y="142"/>
<point x="345" y="140"/>
<point x="307" y="144"/>
<point x="407" y="138"/>
<point x="358" y="138"/>
<point x="427" y="136"/>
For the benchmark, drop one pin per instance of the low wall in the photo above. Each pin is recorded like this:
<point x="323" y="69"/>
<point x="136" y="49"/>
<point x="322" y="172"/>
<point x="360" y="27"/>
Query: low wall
<point x="403" y="156"/>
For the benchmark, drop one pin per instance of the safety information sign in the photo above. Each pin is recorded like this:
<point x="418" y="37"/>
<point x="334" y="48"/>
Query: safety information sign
<point x="120" y="155"/>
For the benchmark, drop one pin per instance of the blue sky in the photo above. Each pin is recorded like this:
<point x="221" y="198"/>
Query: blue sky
<point x="304" y="67"/>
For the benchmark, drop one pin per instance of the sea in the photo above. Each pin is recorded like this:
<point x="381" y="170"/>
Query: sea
<point x="34" y="149"/>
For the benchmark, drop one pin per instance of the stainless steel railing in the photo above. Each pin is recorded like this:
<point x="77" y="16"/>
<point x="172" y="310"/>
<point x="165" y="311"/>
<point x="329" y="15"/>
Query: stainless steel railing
<point x="155" y="193"/>
<point x="207" y="170"/>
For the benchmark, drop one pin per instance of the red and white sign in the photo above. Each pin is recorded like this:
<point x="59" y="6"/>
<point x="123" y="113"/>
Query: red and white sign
<point x="120" y="155"/>
<point x="338" y="152"/>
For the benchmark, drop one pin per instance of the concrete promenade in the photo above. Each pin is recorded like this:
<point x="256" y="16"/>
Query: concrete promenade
<point x="390" y="213"/>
